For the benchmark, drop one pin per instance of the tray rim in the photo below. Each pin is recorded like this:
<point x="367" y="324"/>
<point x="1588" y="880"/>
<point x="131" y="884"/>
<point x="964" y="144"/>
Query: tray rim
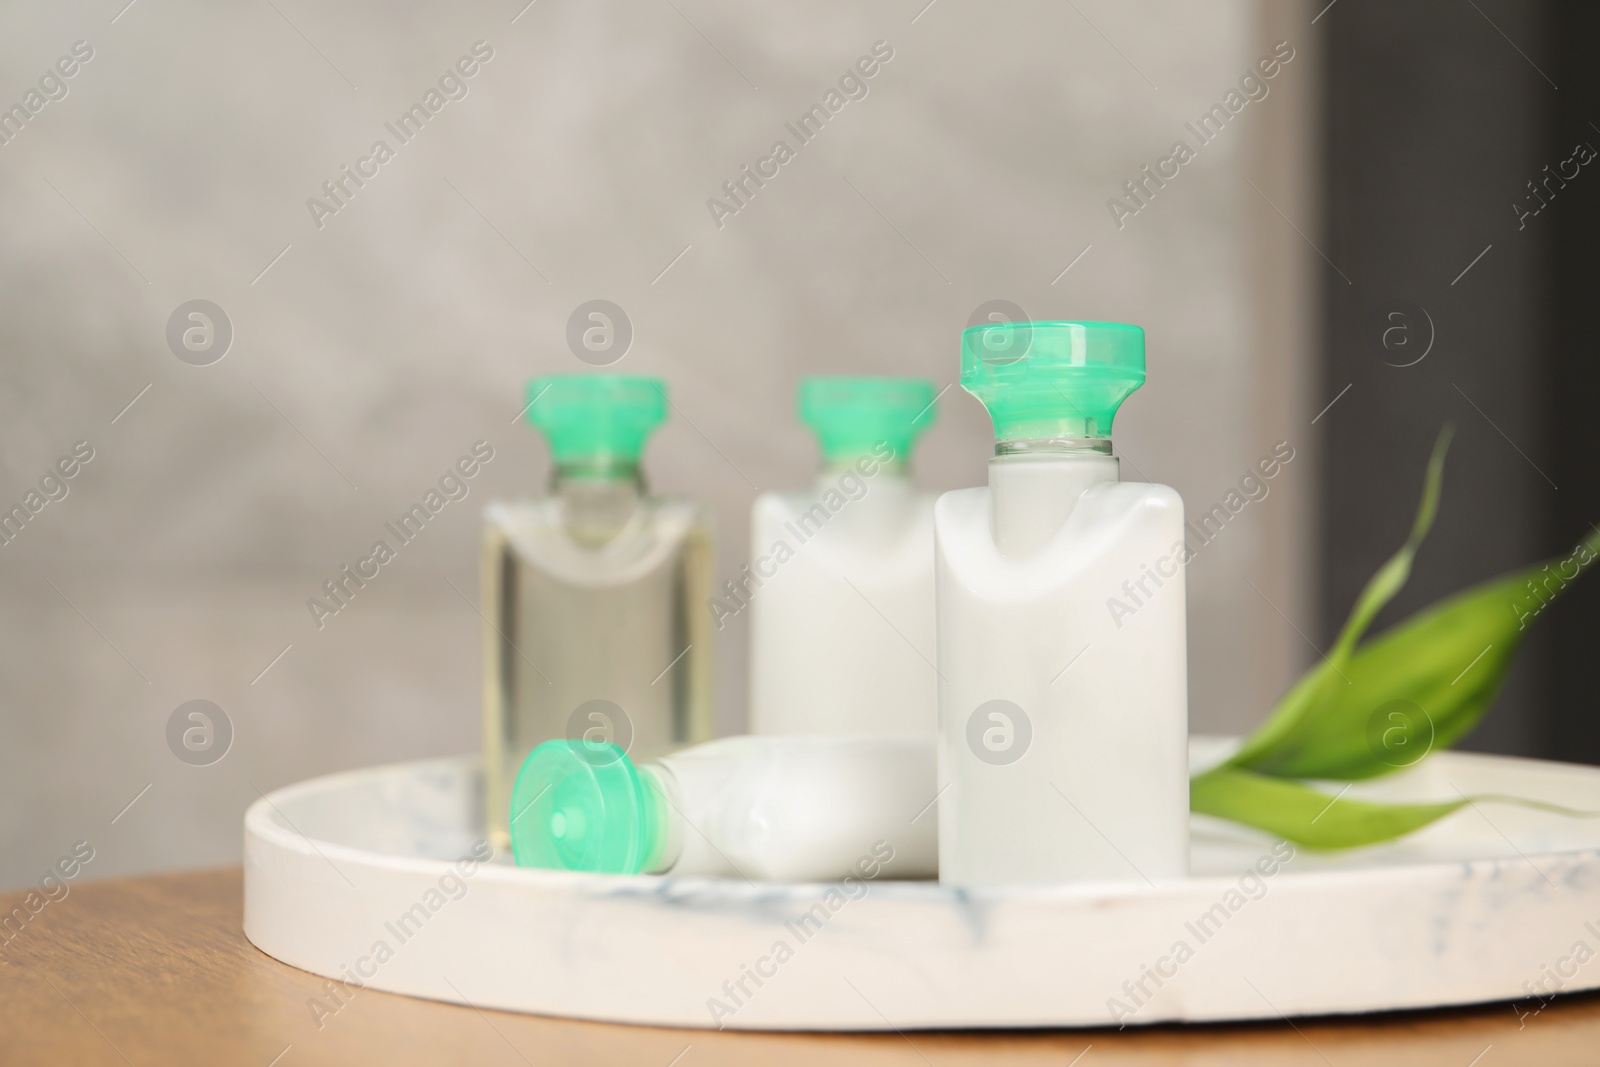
<point x="731" y="911"/>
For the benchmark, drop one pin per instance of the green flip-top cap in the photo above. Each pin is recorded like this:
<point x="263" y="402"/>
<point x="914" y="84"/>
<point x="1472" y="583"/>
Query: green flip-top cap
<point x="583" y="806"/>
<point x="596" y="416"/>
<point x="1052" y="379"/>
<point x="851" y="416"/>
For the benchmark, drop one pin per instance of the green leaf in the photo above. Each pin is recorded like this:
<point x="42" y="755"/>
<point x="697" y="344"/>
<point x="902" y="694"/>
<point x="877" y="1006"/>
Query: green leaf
<point x="1422" y="685"/>
<point x="1298" y="710"/>
<point x="1419" y="687"/>
<point x="1305" y="816"/>
<point x="1368" y="711"/>
<point x="1300" y="814"/>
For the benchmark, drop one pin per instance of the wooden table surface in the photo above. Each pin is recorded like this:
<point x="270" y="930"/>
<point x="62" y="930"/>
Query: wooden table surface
<point x="156" y="970"/>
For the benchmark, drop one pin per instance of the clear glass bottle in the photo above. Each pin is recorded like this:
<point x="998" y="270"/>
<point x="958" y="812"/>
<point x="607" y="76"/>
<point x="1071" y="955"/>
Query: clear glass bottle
<point x="594" y="619"/>
<point x="782" y="809"/>
<point x="841" y="598"/>
<point x="1063" y="700"/>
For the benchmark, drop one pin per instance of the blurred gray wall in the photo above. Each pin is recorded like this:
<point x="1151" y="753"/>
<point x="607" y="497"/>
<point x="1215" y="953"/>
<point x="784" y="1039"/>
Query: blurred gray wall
<point x="372" y="351"/>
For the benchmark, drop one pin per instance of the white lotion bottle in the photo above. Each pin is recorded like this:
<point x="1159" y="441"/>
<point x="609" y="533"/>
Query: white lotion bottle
<point x="1063" y="699"/>
<point x="840" y="589"/>
<point x="782" y="809"/>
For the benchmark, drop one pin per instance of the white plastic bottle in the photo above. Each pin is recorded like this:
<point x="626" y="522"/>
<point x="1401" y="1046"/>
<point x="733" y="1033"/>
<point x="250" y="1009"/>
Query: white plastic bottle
<point x="840" y="589"/>
<point x="1063" y="708"/>
<point x="787" y="809"/>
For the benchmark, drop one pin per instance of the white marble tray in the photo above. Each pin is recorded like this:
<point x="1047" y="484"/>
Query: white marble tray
<point x="1484" y="906"/>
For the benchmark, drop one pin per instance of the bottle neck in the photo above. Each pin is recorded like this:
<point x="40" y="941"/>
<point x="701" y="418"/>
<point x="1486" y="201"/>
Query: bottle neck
<point x="599" y="496"/>
<point x="842" y="462"/>
<point x="600" y="468"/>
<point x="896" y="471"/>
<point x="870" y="511"/>
<point x="1035" y="483"/>
<point x="663" y="808"/>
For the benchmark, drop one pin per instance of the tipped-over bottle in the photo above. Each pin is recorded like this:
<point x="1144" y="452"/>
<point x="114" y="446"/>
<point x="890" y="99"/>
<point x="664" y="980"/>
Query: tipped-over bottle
<point x="789" y="809"/>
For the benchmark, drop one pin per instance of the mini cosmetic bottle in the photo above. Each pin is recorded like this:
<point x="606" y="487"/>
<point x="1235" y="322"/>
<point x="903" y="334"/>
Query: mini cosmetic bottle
<point x="1063" y="715"/>
<point x="593" y="596"/>
<point x="841" y="596"/>
<point x="786" y="809"/>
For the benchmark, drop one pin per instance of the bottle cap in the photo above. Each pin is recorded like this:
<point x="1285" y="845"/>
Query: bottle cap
<point x="601" y="416"/>
<point x="583" y="806"/>
<point x="853" y="415"/>
<point x="1052" y="379"/>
